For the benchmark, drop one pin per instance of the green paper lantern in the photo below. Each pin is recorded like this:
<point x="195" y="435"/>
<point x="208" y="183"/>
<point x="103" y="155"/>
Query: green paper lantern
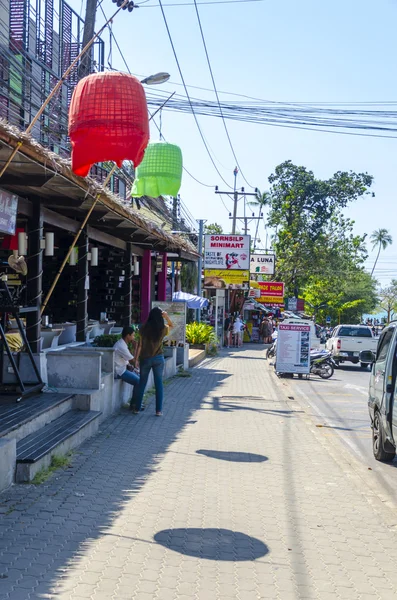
<point x="160" y="172"/>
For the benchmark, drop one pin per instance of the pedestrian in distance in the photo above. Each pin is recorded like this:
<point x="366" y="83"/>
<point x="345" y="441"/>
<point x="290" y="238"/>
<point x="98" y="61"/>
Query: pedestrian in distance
<point x="227" y="331"/>
<point x="266" y="331"/>
<point x="238" y="327"/>
<point x="125" y="363"/>
<point x="151" y="356"/>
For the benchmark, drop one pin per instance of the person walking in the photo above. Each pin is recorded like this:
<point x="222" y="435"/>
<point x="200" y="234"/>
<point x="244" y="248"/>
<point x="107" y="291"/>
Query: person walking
<point x="125" y="363"/>
<point x="151" y="356"/>
<point x="227" y="331"/>
<point x="237" y="331"/>
<point x="267" y="331"/>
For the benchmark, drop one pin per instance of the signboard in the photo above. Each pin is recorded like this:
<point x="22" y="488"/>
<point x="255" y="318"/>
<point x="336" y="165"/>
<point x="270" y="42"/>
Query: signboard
<point x="177" y="313"/>
<point x="272" y="292"/>
<point x="254" y="293"/>
<point x="293" y="348"/>
<point x="227" y="252"/>
<point x="8" y="212"/>
<point x="232" y="280"/>
<point x="264" y="264"/>
<point x="292" y="304"/>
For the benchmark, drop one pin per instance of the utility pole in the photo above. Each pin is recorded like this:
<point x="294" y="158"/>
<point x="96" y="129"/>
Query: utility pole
<point x="200" y="263"/>
<point x="236" y="197"/>
<point x="235" y="201"/>
<point x="88" y="34"/>
<point x="247" y="220"/>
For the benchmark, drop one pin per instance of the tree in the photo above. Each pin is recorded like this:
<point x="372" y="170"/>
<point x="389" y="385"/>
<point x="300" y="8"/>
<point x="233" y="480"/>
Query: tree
<point x="388" y="299"/>
<point x="350" y="295"/>
<point x="213" y="229"/>
<point x="260" y="201"/>
<point x="311" y="232"/>
<point x="382" y="239"/>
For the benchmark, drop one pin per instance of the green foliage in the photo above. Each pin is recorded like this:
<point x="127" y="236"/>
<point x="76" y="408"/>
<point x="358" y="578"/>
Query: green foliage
<point x="107" y="340"/>
<point x="260" y="201"/>
<point x="388" y="299"/>
<point x="189" y="276"/>
<point x="57" y="462"/>
<point x="213" y="228"/>
<point x="346" y="297"/>
<point x="319" y="257"/>
<point x="200" y="333"/>
<point x="311" y="232"/>
<point x="382" y="239"/>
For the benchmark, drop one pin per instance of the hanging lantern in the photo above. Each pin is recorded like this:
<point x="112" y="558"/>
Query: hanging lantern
<point x="160" y="172"/>
<point x="108" y="120"/>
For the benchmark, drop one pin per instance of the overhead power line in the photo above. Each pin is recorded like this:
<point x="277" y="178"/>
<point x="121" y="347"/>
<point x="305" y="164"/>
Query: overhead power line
<point x="142" y="4"/>
<point x="188" y="97"/>
<point x="216" y="93"/>
<point x="154" y="122"/>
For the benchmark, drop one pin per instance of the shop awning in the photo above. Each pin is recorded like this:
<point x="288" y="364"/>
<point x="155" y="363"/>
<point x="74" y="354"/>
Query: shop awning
<point x="252" y="305"/>
<point x="191" y="300"/>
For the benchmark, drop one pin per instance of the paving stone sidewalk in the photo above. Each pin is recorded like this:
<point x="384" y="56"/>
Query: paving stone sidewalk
<point x="228" y="496"/>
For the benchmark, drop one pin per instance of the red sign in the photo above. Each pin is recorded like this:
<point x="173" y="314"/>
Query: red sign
<point x="272" y="293"/>
<point x="271" y="288"/>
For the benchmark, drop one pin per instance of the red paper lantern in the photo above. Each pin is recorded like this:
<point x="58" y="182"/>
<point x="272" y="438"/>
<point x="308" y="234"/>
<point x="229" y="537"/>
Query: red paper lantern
<point x="108" y="120"/>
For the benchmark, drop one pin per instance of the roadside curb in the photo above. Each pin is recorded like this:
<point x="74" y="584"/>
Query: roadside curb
<point x="380" y="500"/>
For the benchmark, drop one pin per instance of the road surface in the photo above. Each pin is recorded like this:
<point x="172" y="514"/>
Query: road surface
<point x="340" y="405"/>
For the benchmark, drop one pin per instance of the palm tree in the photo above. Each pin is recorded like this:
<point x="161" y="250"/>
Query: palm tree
<point x="260" y="201"/>
<point x="383" y="239"/>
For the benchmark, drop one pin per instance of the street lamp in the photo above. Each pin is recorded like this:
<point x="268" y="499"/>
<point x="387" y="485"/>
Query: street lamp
<point x="156" y="79"/>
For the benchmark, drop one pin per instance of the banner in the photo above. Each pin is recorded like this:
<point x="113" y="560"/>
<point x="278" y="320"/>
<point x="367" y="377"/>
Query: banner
<point x="254" y="293"/>
<point x="264" y="264"/>
<point x="8" y="212"/>
<point x="293" y="348"/>
<point x="177" y="313"/>
<point x="227" y="252"/>
<point x="217" y="278"/>
<point x="272" y="292"/>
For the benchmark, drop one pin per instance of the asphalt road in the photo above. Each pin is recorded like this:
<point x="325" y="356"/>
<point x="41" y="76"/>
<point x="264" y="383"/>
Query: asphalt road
<point x="340" y="405"/>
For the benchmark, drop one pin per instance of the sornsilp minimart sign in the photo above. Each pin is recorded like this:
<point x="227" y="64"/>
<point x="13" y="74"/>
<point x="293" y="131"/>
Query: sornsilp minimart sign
<point x="227" y="252"/>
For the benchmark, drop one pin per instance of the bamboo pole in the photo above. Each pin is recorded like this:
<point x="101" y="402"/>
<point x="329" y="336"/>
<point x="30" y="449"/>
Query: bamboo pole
<point x="57" y="87"/>
<point x="76" y="237"/>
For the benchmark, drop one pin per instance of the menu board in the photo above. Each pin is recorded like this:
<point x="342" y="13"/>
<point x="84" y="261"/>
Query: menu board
<point x="177" y="313"/>
<point x="293" y="348"/>
<point x="8" y="212"/>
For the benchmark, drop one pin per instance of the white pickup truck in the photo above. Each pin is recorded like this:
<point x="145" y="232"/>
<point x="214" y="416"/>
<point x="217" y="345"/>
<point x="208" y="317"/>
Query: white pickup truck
<point x="347" y="341"/>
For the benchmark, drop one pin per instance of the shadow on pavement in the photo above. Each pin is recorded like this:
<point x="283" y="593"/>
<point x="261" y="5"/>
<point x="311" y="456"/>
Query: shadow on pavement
<point x="246" y="457"/>
<point x="45" y="529"/>
<point x="212" y="544"/>
<point x="222" y="406"/>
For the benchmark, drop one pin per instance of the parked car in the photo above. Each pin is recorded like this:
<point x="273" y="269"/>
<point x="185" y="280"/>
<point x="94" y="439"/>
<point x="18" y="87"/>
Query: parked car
<point x="347" y="341"/>
<point x="382" y="394"/>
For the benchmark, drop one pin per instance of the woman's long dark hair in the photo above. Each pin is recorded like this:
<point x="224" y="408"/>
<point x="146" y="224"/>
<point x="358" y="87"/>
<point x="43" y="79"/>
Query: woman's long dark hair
<point x="153" y="329"/>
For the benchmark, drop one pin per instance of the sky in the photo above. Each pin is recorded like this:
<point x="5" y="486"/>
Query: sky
<point x="288" y="51"/>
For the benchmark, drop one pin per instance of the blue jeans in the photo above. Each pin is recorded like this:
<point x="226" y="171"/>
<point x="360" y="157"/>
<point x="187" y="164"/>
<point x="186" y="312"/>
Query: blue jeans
<point x="132" y="379"/>
<point x="147" y="364"/>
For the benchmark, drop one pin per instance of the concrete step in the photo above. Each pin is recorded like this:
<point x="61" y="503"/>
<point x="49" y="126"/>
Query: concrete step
<point x="35" y="451"/>
<point x="19" y="419"/>
<point x="195" y="357"/>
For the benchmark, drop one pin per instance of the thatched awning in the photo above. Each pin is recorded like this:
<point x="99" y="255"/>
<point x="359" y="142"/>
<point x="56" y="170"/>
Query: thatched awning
<point x="38" y="173"/>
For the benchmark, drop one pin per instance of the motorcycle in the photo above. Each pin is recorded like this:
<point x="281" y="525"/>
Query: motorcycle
<point x="271" y="351"/>
<point x="322" y="364"/>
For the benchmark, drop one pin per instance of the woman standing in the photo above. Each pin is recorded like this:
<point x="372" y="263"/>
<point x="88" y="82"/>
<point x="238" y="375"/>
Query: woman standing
<point x="151" y="356"/>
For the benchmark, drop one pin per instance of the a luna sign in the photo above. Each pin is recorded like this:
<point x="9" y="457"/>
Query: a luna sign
<point x="262" y="264"/>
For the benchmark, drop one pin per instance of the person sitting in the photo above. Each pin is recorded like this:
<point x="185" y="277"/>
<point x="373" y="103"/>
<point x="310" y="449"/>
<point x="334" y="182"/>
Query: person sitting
<point x="124" y="362"/>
